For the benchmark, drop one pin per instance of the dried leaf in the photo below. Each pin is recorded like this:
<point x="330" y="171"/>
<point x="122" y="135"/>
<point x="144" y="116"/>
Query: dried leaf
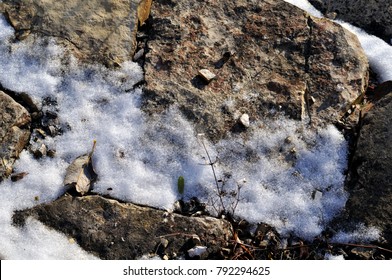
<point x="143" y="10"/>
<point x="80" y="173"/>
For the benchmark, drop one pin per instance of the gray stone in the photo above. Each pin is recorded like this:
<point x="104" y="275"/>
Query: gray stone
<point x="96" y="30"/>
<point x="14" y="132"/>
<point x="114" y="230"/>
<point x="370" y="200"/>
<point x="269" y="57"/>
<point x="372" y="15"/>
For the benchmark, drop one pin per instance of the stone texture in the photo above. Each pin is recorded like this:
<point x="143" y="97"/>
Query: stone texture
<point x="372" y="15"/>
<point x="114" y="230"/>
<point x="103" y="30"/>
<point x="370" y="189"/>
<point x="14" y="132"/>
<point x="268" y="56"/>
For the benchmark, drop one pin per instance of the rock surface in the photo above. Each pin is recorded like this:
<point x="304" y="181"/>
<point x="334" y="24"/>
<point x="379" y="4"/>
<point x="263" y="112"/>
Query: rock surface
<point x="103" y="30"/>
<point x="374" y="16"/>
<point x="14" y="132"/>
<point x="268" y="56"/>
<point x="114" y="230"/>
<point x="371" y="190"/>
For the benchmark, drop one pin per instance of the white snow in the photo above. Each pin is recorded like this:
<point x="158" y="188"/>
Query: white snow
<point x="360" y="234"/>
<point x="331" y="257"/>
<point x="139" y="159"/>
<point x="197" y="251"/>
<point x="306" y="6"/>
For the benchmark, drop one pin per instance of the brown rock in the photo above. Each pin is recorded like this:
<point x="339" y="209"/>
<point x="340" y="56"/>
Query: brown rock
<point x="370" y="187"/>
<point x="14" y="132"/>
<point x="373" y="16"/>
<point x="269" y="56"/>
<point x="114" y="230"/>
<point x="103" y="30"/>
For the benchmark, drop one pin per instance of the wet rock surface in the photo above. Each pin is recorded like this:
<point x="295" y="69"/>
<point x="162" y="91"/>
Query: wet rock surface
<point x="94" y="30"/>
<point x="268" y="56"/>
<point x="373" y="16"/>
<point x="371" y="179"/>
<point x="14" y="132"/>
<point x="114" y="230"/>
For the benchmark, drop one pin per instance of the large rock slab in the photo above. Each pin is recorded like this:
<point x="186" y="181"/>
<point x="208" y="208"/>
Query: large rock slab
<point x="114" y="230"/>
<point x="370" y="200"/>
<point x="268" y="57"/>
<point x="14" y="132"/>
<point x="96" y="30"/>
<point x="374" y="16"/>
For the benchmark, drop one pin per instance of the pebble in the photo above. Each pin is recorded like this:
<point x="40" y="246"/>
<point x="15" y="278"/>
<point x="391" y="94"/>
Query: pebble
<point x="164" y="242"/>
<point x="207" y="75"/>
<point x="244" y="119"/>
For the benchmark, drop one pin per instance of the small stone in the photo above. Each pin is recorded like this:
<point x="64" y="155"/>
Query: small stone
<point x="164" y="242"/>
<point x="18" y="176"/>
<point x="207" y="75"/>
<point x="331" y="15"/>
<point x="196" y="240"/>
<point x="42" y="150"/>
<point x="312" y="100"/>
<point x="316" y="195"/>
<point x="39" y="131"/>
<point x="138" y="54"/>
<point x="52" y="130"/>
<point x="51" y="153"/>
<point x="288" y="140"/>
<point x="263" y="243"/>
<point x="244" y="120"/>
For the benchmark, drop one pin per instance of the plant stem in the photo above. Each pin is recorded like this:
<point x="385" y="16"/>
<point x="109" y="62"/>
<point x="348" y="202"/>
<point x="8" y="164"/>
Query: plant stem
<point x="215" y="178"/>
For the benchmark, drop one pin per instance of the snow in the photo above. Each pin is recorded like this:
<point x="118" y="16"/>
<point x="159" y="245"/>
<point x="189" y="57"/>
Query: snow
<point x="197" y="251"/>
<point x="139" y="159"/>
<point x="306" y="6"/>
<point x="361" y="234"/>
<point x="331" y="257"/>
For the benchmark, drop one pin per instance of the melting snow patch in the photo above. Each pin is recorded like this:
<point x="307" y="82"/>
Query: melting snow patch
<point x="197" y="251"/>
<point x="361" y="234"/>
<point x="333" y="257"/>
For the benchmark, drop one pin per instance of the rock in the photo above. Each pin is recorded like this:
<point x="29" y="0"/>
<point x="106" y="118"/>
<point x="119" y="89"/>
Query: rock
<point x="370" y="187"/>
<point x="114" y="230"/>
<point x="373" y="16"/>
<point x="95" y="30"/>
<point x="207" y="75"/>
<point x="272" y="57"/>
<point x="14" y="132"/>
<point x="244" y="119"/>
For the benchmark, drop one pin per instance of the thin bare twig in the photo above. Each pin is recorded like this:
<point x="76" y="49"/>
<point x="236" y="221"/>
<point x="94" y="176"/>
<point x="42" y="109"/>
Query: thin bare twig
<point x="215" y="177"/>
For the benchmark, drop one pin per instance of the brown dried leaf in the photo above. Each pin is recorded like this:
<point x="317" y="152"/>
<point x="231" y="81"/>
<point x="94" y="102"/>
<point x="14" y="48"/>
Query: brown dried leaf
<point x="143" y="11"/>
<point x="80" y="173"/>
